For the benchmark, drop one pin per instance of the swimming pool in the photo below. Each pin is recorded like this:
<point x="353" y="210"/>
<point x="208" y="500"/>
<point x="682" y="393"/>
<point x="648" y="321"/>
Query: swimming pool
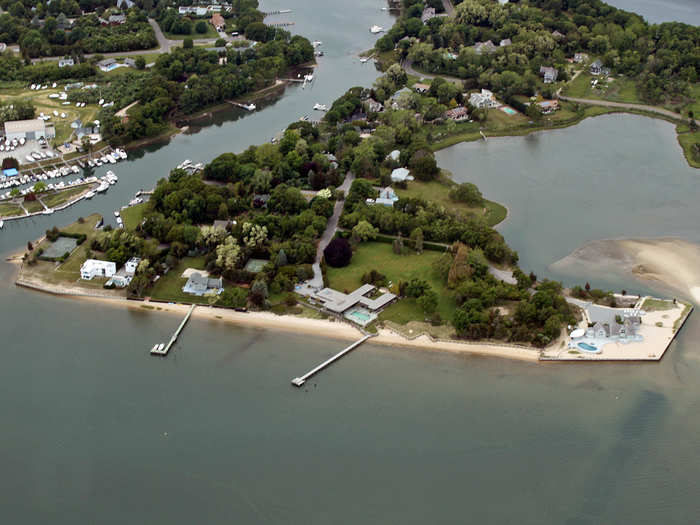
<point x="508" y="110"/>
<point x="587" y="348"/>
<point x="360" y="316"/>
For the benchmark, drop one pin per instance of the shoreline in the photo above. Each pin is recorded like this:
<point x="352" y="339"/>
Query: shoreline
<point x="288" y="323"/>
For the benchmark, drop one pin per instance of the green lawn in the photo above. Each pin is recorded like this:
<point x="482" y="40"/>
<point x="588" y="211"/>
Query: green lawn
<point x="437" y="191"/>
<point x="10" y="209"/>
<point x="33" y="206"/>
<point x="652" y="305"/>
<point x="379" y="256"/>
<point x="617" y="89"/>
<point x="169" y="286"/>
<point x="133" y="215"/>
<point x="687" y="141"/>
<point x="87" y="226"/>
<point x="57" y="198"/>
<point x="211" y="33"/>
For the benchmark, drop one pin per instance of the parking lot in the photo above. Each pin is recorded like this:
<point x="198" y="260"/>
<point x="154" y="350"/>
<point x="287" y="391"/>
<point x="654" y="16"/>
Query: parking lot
<point x="21" y="152"/>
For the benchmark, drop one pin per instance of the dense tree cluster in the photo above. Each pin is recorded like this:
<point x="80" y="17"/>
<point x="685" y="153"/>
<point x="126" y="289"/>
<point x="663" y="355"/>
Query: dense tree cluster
<point x="665" y="58"/>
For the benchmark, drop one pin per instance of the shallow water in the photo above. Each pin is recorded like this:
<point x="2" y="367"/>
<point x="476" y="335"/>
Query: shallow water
<point x="97" y="431"/>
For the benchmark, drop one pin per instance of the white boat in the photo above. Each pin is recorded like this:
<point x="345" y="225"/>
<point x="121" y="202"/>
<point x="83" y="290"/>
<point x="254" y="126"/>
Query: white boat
<point x="89" y="194"/>
<point x="376" y="29"/>
<point x="110" y="174"/>
<point x="98" y="163"/>
<point x="111" y="159"/>
<point x="104" y="186"/>
<point x="55" y="113"/>
<point x="309" y="77"/>
<point x="47" y="211"/>
<point x="75" y="169"/>
<point x="116" y="214"/>
<point x="320" y="107"/>
<point x="249" y="107"/>
<point x="155" y="347"/>
<point x="122" y="154"/>
<point x="91" y="164"/>
<point x="316" y="43"/>
<point x="2" y="223"/>
<point x="161" y="347"/>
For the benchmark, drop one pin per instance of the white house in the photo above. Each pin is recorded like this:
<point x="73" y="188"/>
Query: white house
<point x="485" y="99"/>
<point x="96" y="268"/>
<point x="394" y="155"/>
<point x="401" y="175"/>
<point x="66" y="62"/>
<point x="131" y="265"/>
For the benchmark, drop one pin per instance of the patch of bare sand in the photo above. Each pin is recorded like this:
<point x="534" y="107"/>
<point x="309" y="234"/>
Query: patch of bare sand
<point x="672" y="262"/>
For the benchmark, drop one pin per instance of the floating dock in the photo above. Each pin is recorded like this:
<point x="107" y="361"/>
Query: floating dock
<point x="164" y="351"/>
<point x="299" y="381"/>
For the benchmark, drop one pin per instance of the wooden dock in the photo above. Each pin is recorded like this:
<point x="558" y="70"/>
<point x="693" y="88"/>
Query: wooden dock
<point x="165" y="350"/>
<point x="299" y="381"/>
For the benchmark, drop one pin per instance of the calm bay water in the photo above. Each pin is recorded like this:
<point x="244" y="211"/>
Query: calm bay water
<point x="96" y="431"/>
<point x="658" y="11"/>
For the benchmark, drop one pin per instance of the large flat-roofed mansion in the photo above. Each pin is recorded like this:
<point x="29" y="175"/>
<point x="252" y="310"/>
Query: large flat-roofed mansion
<point x="357" y="306"/>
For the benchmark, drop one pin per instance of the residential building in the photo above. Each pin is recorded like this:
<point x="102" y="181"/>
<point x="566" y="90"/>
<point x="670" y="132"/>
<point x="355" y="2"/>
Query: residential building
<point x="199" y="285"/>
<point x="596" y="67"/>
<point x="458" y="114"/>
<point x="218" y="22"/>
<point x="125" y="4"/>
<point x="132" y="265"/>
<point x="401" y="175"/>
<point x="356" y="306"/>
<point x="95" y="268"/>
<point x="549" y="74"/>
<point x="373" y="106"/>
<point x="505" y="42"/>
<point x="428" y="13"/>
<point x="131" y="62"/>
<point x="107" y="64"/>
<point x="482" y="100"/>
<point x="557" y="35"/>
<point x="116" y="19"/>
<point x="548" y="106"/>
<point x="29" y="129"/>
<point x="580" y="57"/>
<point x="66" y="62"/>
<point x="394" y="155"/>
<point x="484" y="47"/>
<point x="421" y="88"/>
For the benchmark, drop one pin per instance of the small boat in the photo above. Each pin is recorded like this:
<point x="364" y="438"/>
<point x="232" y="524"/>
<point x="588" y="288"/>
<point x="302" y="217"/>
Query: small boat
<point x="111" y="159"/>
<point x="309" y="77"/>
<point x="155" y="347"/>
<point x="249" y="107"/>
<point x="47" y="211"/>
<point x="91" y="164"/>
<point x="89" y="194"/>
<point x="161" y="347"/>
<point x="376" y="29"/>
<point x="116" y="214"/>
<point x="316" y="43"/>
<point x="104" y="186"/>
<point x="2" y="223"/>
<point x="320" y="107"/>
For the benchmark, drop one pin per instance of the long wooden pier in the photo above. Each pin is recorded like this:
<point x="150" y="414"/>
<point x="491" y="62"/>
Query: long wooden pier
<point x="299" y="381"/>
<point x="165" y="350"/>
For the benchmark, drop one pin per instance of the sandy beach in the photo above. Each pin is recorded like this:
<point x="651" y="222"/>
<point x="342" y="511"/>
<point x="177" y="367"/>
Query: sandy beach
<point x="672" y="262"/>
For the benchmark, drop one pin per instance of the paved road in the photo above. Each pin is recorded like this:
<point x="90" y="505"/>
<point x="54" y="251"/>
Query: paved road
<point x="331" y="228"/>
<point x="408" y="67"/>
<point x="165" y="45"/>
<point x="623" y="105"/>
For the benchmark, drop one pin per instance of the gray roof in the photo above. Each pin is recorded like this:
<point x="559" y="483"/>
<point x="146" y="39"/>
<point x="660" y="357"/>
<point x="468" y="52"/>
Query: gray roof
<point x="338" y="302"/>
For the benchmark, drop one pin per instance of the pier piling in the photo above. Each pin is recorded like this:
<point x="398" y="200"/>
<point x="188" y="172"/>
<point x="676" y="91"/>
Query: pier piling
<point x="173" y="339"/>
<point x="299" y="381"/>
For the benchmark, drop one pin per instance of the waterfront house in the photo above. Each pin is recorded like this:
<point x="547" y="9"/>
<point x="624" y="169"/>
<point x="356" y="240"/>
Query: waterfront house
<point x="421" y="88"/>
<point x="66" y="62"/>
<point x="132" y="265"/>
<point x="458" y="114"/>
<point x="549" y="74"/>
<point x="357" y="306"/>
<point x="199" y="285"/>
<point x="95" y="268"/>
<point x="485" y="99"/>
<point x="548" y="106"/>
<point x="373" y="106"/>
<point x="401" y="175"/>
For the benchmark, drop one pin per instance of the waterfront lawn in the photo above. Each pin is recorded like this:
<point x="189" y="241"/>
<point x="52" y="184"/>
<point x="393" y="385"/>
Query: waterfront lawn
<point x="57" y="198"/>
<point x="688" y="141"/>
<point x="87" y="227"/>
<point x="438" y="192"/>
<point x="33" y="206"/>
<point x="133" y="215"/>
<point x="169" y="286"/>
<point x="10" y="209"/>
<point x="616" y="89"/>
<point x="654" y="305"/>
<point x="380" y="256"/>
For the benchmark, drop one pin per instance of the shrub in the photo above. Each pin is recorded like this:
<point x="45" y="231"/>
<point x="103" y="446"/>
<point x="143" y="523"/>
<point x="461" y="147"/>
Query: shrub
<point x="375" y="278"/>
<point x="338" y="253"/>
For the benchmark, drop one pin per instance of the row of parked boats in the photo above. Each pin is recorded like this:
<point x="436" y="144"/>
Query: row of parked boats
<point x="110" y="158"/>
<point x="10" y="144"/>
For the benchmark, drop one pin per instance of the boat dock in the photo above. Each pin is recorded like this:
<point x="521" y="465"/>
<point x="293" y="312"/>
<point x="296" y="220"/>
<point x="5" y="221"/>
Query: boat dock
<point x="156" y="350"/>
<point x="299" y="381"/>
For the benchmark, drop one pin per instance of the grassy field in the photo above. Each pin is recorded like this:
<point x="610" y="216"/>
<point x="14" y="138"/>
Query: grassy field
<point x="617" y="89"/>
<point x="47" y="105"/>
<point x="133" y="215"/>
<point x="211" y="33"/>
<point x="653" y="305"/>
<point x="56" y="198"/>
<point x="437" y="191"/>
<point x="33" y="206"/>
<point x="10" y="209"/>
<point x="169" y="286"/>
<point x="379" y="256"/>
<point x="688" y="140"/>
